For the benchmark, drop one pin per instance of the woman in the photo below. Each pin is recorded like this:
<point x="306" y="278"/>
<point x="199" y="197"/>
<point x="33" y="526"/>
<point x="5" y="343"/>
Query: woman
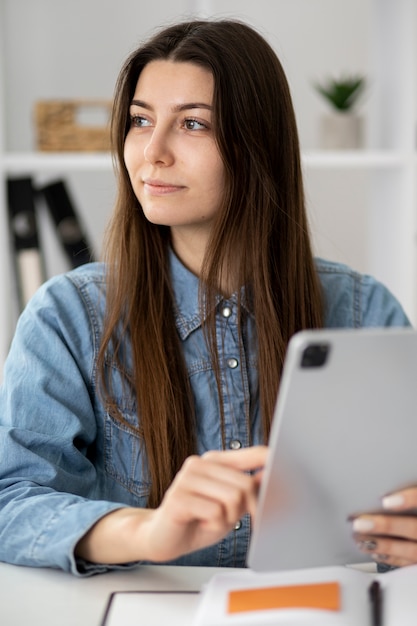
<point x="138" y="393"/>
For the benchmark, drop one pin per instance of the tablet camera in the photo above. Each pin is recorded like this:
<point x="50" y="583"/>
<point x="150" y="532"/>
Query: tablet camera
<point x="315" y="355"/>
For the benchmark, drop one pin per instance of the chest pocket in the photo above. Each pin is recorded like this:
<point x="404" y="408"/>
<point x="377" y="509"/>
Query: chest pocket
<point x="124" y="454"/>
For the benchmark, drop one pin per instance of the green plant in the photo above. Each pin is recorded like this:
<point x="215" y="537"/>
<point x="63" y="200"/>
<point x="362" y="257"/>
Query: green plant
<point x="342" y="93"/>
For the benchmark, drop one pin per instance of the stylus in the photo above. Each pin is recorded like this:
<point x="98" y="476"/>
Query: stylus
<point x="376" y="597"/>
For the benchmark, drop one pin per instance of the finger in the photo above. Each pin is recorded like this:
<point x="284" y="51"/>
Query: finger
<point x="394" y="562"/>
<point x="387" y="550"/>
<point x="195" y="468"/>
<point x="397" y="525"/>
<point x="209" y="512"/>
<point x="236" y="494"/>
<point x="235" y="490"/>
<point x="189" y="524"/>
<point x="401" y="500"/>
<point x="245" y="459"/>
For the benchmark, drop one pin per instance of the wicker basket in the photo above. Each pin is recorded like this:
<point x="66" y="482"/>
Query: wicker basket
<point x="59" y="129"/>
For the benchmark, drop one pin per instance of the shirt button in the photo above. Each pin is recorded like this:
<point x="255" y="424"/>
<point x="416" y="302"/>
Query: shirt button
<point x="226" y="311"/>
<point x="238" y="525"/>
<point x="232" y="363"/>
<point x="235" y="444"/>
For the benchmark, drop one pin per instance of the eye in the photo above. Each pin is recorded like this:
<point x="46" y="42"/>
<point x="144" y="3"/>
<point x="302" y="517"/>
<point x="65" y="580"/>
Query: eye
<point x="138" y="121"/>
<point x="192" y="124"/>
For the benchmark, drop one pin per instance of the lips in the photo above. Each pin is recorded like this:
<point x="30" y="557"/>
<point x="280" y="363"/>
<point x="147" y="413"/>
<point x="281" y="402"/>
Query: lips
<point x="160" y="188"/>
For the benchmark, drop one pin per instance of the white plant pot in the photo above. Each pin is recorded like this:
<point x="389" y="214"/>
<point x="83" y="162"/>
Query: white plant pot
<point x="341" y="131"/>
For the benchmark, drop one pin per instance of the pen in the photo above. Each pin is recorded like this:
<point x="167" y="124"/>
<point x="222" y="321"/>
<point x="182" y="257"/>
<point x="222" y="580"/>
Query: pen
<point x="375" y="596"/>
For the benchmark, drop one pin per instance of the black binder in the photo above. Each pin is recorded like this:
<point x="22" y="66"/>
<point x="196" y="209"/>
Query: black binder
<point x="65" y="217"/>
<point x="28" y="259"/>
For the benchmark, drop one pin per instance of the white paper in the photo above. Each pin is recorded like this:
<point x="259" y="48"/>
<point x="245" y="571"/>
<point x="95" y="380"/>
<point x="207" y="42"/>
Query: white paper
<point x="212" y="608"/>
<point x="152" y="609"/>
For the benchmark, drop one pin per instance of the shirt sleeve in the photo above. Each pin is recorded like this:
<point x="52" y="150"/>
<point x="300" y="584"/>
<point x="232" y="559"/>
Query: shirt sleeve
<point x="47" y="428"/>
<point x="354" y="300"/>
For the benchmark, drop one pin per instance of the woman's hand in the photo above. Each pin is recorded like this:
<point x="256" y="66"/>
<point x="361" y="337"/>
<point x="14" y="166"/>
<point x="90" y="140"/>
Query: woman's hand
<point x="390" y="538"/>
<point x="205" y="500"/>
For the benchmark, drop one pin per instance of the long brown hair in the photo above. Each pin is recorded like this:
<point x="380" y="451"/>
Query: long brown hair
<point x="261" y="231"/>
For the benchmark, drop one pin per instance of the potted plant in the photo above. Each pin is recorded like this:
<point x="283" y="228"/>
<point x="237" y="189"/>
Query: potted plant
<point x="342" y="128"/>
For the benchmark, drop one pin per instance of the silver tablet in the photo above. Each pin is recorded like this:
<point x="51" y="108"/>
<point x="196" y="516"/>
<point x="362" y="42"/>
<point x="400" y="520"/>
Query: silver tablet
<point x="344" y="434"/>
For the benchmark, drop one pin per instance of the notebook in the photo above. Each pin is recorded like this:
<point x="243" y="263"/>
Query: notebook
<point x="323" y="596"/>
<point x="344" y="434"/>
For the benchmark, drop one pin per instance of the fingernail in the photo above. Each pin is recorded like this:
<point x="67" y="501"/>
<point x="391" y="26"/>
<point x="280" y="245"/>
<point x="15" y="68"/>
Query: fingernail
<point x="367" y="545"/>
<point x="380" y="557"/>
<point x="363" y="525"/>
<point x="393" y="501"/>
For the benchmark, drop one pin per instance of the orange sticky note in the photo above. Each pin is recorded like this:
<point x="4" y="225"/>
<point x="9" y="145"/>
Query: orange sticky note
<point x="307" y="596"/>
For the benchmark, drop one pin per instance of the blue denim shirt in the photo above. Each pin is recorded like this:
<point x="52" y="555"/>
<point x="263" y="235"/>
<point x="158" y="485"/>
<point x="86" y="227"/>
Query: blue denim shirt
<point x="64" y="462"/>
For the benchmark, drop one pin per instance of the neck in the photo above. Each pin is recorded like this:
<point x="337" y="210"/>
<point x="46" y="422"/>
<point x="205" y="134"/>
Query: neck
<point x="190" y="248"/>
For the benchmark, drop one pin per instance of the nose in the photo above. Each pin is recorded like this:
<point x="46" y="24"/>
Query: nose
<point x="158" y="149"/>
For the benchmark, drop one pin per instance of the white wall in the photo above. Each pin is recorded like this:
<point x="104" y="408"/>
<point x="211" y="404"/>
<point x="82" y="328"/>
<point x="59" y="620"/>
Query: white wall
<point x="61" y="49"/>
<point x="71" y="49"/>
<point x="314" y="39"/>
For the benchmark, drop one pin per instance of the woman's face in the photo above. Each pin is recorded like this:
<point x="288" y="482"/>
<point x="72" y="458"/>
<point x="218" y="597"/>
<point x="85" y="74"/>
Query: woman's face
<point x="170" y="150"/>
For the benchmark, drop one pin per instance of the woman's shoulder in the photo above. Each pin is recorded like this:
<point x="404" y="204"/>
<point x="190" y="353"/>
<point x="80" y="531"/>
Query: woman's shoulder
<point x="90" y="277"/>
<point x="78" y="295"/>
<point x="62" y="322"/>
<point x="355" y="299"/>
<point x="328" y="269"/>
<point x="88" y="274"/>
<point x="339" y="280"/>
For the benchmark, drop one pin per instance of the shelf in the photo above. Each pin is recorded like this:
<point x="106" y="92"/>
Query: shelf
<point x="16" y="162"/>
<point x="357" y="159"/>
<point x="375" y="226"/>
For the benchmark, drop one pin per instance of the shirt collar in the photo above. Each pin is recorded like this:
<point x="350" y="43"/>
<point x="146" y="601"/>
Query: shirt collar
<point x="186" y="292"/>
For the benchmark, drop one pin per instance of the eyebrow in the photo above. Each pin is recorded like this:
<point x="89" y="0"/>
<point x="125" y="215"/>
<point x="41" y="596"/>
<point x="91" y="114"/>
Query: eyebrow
<point x="177" y="108"/>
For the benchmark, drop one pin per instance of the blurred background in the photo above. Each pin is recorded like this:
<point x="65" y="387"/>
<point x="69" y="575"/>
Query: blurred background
<point x="361" y="201"/>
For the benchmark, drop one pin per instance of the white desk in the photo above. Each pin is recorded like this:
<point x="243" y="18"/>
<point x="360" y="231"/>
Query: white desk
<point x="43" y="597"/>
